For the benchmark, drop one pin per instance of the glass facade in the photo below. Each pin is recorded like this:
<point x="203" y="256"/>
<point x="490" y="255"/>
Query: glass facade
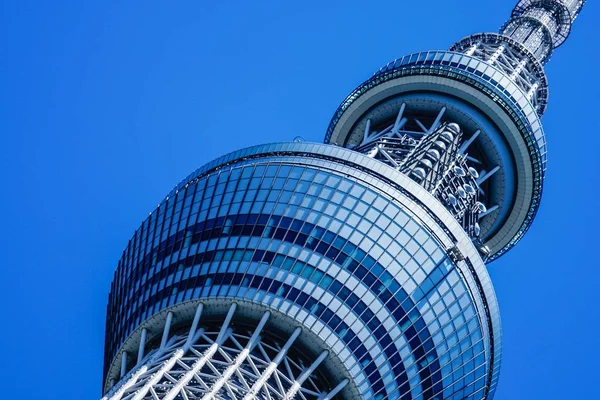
<point x="305" y="230"/>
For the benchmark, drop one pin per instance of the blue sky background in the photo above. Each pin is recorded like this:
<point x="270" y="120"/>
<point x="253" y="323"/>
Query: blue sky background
<point x="105" y="106"/>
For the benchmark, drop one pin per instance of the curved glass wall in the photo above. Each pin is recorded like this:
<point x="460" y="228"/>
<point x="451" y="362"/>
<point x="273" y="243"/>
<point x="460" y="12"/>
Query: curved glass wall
<point x="347" y="261"/>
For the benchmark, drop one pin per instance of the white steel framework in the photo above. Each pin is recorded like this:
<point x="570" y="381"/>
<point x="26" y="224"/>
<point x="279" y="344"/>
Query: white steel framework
<point x="435" y="157"/>
<point x="222" y="362"/>
<point x="525" y="43"/>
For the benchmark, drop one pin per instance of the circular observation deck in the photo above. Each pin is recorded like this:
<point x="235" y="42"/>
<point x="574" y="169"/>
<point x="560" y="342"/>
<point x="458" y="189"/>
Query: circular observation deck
<point x="501" y="128"/>
<point x="355" y="257"/>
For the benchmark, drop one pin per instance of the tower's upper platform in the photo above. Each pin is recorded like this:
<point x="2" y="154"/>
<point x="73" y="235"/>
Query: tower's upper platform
<point x="493" y="87"/>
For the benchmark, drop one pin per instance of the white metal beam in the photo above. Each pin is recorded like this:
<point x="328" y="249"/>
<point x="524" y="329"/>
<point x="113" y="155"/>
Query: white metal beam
<point x="387" y="156"/>
<point x="298" y="383"/>
<point x="334" y="391"/>
<point x="467" y="143"/>
<point x="165" y="336"/>
<point x="532" y="90"/>
<point x="496" y="54"/>
<point x="518" y="68"/>
<point x="272" y="366"/>
<point x="473" y="159"/>
<point x="130" y="382"/>
<point x="195" y="322"/>
<point x="487" y="175"/>
<point x="123" y="363"/>
<point x="207" y="355"/>
<point x="239" y="359"/>
<point x="158" y="375"/>
<point x="367" y="129"/>
<point x="488" y="211"/>
<point x="421" y="125"/>
<point x="397" y="125"/>
<point x="385" y="132"/>
<point x="437" y="120"/>
<point x="471" y="50"/>
<point x="142" y="346"/>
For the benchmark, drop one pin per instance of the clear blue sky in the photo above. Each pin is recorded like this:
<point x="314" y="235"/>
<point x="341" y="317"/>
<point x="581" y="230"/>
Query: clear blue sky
<point x="104" y="106"/>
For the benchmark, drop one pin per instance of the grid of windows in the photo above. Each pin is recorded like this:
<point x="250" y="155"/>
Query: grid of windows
<point x="266" y="230"/>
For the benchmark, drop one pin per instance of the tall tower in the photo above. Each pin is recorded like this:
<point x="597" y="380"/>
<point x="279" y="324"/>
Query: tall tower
<point x="353" y="269"/>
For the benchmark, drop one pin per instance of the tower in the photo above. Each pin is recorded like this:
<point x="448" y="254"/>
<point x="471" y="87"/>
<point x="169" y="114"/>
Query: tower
<point x="353" y="269"/>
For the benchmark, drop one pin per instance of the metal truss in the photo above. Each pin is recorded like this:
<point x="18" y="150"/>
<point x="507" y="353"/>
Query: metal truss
<point x="542" y="25"/>
<point x="525" y="43"/>
<point x="435" y="158"/>
<point x="222" y="363"/>
<point x="512" y="58"/>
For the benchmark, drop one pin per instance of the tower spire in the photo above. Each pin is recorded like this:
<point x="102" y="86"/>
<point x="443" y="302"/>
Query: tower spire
<point x="542" y="25"/>
<point x="525" y="43"/>
<point x="493" y="86"/>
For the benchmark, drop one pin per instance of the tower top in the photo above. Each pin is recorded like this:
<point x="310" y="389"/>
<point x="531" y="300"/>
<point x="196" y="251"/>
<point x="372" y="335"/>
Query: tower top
<point x="542" y="25"/>
<point x="493" y="86"/>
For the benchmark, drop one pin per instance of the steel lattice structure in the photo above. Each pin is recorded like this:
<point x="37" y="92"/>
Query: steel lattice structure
<point x="353" y="269"/>
<point x="221" y="363"/>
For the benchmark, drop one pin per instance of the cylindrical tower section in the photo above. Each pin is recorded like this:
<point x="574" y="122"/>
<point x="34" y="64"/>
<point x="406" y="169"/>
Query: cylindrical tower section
<point x="304" y="271"/>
